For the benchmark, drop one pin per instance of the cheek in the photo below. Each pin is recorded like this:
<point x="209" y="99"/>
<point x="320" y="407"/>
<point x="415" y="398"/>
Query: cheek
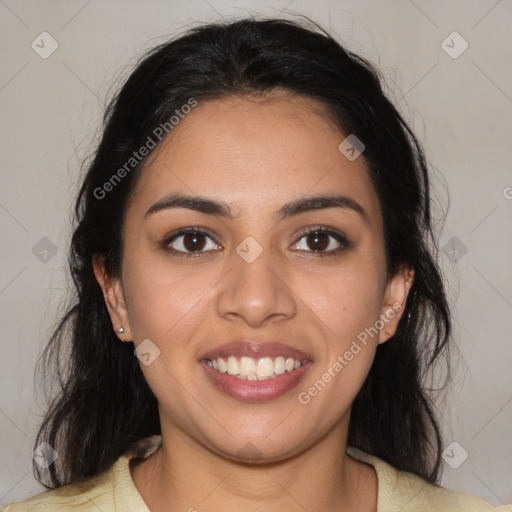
<point x="161" y="299"/>
<point x="347" y="301"/>
<point x="348" y="305"/>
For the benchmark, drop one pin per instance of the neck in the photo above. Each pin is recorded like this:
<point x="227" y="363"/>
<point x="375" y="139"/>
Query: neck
<point x="183" y="475"/>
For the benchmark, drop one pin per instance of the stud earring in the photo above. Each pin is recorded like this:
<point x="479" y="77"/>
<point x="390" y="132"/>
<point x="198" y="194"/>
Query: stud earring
<point x="120" y="330"/>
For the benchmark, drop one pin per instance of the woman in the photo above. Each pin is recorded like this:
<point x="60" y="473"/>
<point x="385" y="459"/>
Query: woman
<point x="258" y="300"/>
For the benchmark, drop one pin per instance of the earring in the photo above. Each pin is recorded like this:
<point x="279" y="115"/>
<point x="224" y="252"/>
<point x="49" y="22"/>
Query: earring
<point x="120" y="330"/>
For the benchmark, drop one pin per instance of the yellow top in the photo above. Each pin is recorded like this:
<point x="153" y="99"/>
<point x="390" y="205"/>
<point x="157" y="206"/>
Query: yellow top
<point x="114" y="490"/>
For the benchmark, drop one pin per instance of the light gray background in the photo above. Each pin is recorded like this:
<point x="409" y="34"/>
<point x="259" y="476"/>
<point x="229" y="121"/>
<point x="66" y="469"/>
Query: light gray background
<point x="460" y="108"/>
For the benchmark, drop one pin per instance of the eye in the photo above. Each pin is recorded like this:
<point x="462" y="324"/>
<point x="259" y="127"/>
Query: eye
<point x="322" y="241"/>
<point x="189" y="242"/>
<point x="193" y="242"/>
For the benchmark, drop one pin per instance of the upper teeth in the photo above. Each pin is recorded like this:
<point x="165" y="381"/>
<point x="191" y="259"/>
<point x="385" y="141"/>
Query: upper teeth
<point x="254" y="369"/>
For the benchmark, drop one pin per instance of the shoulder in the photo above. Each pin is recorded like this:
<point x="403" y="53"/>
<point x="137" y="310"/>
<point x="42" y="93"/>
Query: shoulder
<point x="108" y="491"/>
<point x="400" y="490"/>
<point x="90" y="495"/>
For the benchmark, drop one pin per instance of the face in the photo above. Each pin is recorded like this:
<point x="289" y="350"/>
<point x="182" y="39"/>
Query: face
<point x="267" y="271"/>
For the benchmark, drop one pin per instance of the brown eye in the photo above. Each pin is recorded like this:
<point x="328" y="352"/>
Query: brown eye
<point x="190" y="242"/>
<point x="322" y="242"/>
<point x="317" y="241"/>
<point x="193" y="241"/>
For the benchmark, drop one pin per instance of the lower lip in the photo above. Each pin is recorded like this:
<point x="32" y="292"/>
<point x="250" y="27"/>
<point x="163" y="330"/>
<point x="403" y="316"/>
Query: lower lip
<point x="255" y="390"/>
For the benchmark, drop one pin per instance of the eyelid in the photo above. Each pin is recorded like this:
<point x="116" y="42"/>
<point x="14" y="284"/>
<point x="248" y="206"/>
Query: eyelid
<point x="186" y="230"/>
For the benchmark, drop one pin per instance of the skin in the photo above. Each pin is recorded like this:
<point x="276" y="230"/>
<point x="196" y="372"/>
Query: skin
<point x="254" y="154"/>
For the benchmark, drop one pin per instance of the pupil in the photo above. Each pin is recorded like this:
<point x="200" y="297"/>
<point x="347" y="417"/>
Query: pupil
<point x="195" y="242"/>
<point x="317" y="244"/>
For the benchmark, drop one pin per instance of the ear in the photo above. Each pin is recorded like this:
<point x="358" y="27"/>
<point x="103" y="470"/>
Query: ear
<point x="395" y="298"/>
<point x="114" y="298"/>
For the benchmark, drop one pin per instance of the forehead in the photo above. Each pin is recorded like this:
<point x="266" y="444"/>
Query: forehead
<point x="255" y="153"/>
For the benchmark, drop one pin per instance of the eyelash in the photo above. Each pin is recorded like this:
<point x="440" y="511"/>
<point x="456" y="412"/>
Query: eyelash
<point x="339" y="237"/>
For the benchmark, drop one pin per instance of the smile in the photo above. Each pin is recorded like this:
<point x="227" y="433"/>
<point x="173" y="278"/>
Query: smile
<point x="248" y="368"/>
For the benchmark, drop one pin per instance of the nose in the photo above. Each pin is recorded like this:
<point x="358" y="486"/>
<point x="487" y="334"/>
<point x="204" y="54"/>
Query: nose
<point x="256" y="291"/>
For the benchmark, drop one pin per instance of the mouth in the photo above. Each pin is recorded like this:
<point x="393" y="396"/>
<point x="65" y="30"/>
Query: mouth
<point x="255" y="371"/>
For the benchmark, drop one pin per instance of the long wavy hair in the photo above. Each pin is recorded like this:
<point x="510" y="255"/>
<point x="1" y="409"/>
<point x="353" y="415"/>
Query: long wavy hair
<point x="103" y="403"/>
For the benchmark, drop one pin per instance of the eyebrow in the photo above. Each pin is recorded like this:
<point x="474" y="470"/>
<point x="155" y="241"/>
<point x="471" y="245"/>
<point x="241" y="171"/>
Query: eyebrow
<point x="222" y="209"/>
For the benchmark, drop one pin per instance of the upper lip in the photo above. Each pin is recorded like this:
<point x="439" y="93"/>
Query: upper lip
<point x="256" y="349"/>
